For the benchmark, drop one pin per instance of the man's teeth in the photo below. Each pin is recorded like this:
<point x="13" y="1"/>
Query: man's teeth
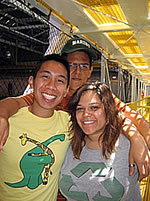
<point x="48" y="96"/>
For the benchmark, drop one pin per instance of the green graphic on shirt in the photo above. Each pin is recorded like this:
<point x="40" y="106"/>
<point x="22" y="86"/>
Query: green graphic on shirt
<point x="114" y="188"/>
<point x="67" y="183"/>
<point x="36" y="163"/>
<point x="85" y="166"/>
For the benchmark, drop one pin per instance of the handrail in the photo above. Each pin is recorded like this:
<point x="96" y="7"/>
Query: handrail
<point x="142" y="106"/>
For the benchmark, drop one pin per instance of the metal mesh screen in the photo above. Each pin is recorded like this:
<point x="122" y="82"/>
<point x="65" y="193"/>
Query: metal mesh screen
<point x="25" y="36"/>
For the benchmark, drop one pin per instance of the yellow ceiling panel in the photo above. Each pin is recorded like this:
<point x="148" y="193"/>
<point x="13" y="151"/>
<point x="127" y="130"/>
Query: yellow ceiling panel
<point x="139" y="61"/>
<point x="109" y="13"/>
<point x="90" y="3"/>
<point x="104" y="11"/>
<point x="144" y="70"/>
<point x="98" y="2"/>
<point x="125" y="41"/>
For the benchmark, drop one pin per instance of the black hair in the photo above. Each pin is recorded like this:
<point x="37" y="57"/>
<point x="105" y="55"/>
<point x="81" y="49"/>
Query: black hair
<point x="52" y="57"/>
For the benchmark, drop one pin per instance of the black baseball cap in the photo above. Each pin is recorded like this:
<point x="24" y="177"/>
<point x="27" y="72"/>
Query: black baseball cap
<point x="78" y="44"/>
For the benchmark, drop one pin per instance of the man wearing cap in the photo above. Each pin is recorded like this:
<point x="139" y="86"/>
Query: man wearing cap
<point x="79" y="54"/>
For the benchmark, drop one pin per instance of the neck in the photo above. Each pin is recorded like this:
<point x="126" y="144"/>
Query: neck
<point x="93" y="143"/>
<point x="41" y="112"/>
<point x="71" y="92"/>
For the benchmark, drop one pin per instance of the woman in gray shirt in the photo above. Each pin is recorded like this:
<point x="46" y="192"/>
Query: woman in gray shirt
<point x="96" y="164"/>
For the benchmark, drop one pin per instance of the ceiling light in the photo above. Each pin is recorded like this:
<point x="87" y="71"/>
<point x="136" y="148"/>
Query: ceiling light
<point x="143" y="67"/>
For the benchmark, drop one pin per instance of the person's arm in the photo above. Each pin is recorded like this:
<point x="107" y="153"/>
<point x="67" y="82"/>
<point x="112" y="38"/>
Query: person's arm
<point x="139" y="152"/>
<point x="8" y="107"/>
<point x="138" y="120"/>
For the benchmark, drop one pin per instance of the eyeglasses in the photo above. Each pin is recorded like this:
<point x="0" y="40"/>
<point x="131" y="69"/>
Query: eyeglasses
<point x="82" y="66"/>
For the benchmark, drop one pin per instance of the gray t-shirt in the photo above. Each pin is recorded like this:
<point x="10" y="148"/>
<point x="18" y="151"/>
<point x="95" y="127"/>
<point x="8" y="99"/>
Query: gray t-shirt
<point x="92" y="178"/>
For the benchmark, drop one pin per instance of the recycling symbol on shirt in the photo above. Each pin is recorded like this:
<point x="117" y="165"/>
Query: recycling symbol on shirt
<point x="113" y="187"/>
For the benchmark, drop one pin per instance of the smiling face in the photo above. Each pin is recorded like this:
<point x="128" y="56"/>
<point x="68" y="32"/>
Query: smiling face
<point x="91" y="115"/>
<point x="78" y="76"/>
<point x="49" y="86"/>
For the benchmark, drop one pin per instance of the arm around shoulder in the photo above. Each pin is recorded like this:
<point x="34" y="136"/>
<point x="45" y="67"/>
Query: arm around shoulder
<point x="138" y="120"/>
<point x="139" y="152"/>
<point x="8" y="107"/>
<point x="141" y="124"/>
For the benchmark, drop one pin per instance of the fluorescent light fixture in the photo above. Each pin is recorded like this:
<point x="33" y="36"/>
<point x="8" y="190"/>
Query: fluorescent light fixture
<point x="142" y="67"/>
<point x="97" y="24"/>
<point x="90" y="17"/>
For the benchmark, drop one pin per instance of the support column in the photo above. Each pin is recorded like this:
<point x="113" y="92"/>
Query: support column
<point x="138" y="90"/>
<point x="121" y="88"/>
<point x="102" y="69"/>
<point x="133" y="89"/>
<point x="148" y="90"/>
<point x="107" y="74"/>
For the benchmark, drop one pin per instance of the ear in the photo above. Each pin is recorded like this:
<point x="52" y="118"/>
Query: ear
<point x="30" y="81"/>
<point x="90" y="71"/>
<point x="67" y="90"/>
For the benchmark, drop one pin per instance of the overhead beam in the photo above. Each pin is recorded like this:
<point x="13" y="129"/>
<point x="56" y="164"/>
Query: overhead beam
<point x="108" y="28"/>
<point x="2" y="27"/>
<point x="30" y="27"/>
<point x="26" y="9"/>
<point x="20" y="46"/>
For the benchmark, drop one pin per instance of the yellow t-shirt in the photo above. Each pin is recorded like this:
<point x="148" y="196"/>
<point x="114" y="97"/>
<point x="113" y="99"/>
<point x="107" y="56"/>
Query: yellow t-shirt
<point x="32" y="157"/>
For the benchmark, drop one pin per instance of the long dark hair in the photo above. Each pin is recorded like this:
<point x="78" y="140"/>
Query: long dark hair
<point x="113" y="119"/>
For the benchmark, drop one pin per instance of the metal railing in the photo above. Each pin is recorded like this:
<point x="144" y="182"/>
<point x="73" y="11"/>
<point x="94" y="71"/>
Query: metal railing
<point x="143" y="107"/>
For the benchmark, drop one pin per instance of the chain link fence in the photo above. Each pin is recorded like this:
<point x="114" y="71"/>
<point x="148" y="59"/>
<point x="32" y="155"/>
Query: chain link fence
<point x="25" y="36"/>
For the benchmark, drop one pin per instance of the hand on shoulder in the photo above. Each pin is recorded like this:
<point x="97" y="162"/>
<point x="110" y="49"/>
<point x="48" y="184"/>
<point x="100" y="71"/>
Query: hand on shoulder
<point x="4" y="131"/>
